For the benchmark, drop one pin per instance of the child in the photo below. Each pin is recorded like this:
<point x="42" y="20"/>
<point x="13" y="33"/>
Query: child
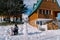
<point x="16" y="30"/>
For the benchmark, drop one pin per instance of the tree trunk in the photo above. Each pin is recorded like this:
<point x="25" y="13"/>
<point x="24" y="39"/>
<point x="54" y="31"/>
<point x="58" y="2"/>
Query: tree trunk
<point x="8" y="19"/>
<point x="16" y="20"/>
<point x="21" y="17"/>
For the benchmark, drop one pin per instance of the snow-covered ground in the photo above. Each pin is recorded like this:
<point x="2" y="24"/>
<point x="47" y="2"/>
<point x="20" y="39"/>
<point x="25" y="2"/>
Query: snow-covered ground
<point x="33" y="33"/>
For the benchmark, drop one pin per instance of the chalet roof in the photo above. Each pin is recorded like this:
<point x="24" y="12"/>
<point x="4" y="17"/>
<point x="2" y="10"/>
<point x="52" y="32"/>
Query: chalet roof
<point x="46" y="5"/>
<point x="37" y="6"/>
<point x="50" y="6"/>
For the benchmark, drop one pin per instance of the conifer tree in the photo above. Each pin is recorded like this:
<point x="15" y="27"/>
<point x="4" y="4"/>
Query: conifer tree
<point x="12" y="8"/>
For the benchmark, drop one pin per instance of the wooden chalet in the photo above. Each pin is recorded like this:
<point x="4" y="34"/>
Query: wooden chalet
<point x="47" y="9"/>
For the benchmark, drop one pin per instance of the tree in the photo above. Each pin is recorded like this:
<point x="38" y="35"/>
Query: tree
<point x="12" y="8"/>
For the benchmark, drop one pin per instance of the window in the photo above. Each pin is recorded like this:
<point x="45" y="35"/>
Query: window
<point x="39" y="22"/>
<point x="47" y="12"/>
<point x="40" y="11"/>
<point x="43" y="11"/>
<point x="53" y="1"/>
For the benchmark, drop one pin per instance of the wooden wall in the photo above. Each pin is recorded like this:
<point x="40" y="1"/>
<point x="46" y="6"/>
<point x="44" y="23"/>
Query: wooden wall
<point x="33" y="18"/>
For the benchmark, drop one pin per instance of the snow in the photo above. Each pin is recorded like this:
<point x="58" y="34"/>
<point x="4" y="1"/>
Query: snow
<point x="29" y="5"/>
<point x="32" y="33"/>
<point x="31" y="2"/>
